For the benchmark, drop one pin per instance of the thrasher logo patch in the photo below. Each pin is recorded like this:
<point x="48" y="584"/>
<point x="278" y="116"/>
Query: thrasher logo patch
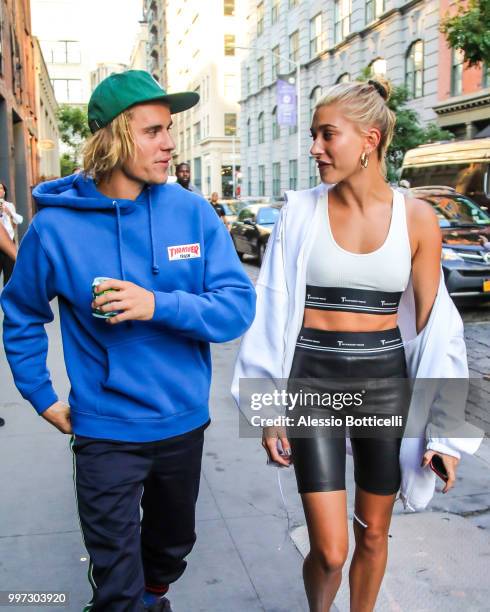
<point x="184" y="251"/>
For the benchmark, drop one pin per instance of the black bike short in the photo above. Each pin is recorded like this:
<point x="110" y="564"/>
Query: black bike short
<point x="325" y="362"/>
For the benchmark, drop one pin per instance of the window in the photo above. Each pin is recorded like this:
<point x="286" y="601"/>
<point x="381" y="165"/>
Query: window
<point x="294" y="46"/>
<point x="249" y="181"/>
<point x="378" y="67"/>
<point x="260" y="19"/>
<point x="261" y="130"/>
<point x="260" y="72"/>
<point x="261" y="180"/>
<point x="230" y="124"/>
<point x="62" y="52"/>
<point x="67" y="90"/>
<point x="197" y="132"/>
<point x="374" y="8"/>
<point x="457" y="61"/>
<point x="229" y="8"/>
<point x="188" y="138"/>
<point x="316" y="42"/>
<point x="276" y="129"/>
<point x="197" y="176"/>
<point x="315" y="95"/>
<point x="229" y="44"/>
<point x="293" y="3"/>
<point x="208" y="179"/>
<point x="275" y="62"/>
<point x="231" y="92"/>
<point x="275" y="10"/>
<point x="276" y="179"/>
<point x="313" y="174"/>
<point x="485" y="75"/>
<point x="343" y="78"/>
<point x="414" y="70"/>
<point x="248" y="84"/>
<point x="293" y="174"/>
<point x="342" y="14"/>
<point x="249" y="133"/>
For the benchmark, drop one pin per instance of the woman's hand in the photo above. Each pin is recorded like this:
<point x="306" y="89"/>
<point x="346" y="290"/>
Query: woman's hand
<point x="450" y="463"/>
<point x="270" y="437"/>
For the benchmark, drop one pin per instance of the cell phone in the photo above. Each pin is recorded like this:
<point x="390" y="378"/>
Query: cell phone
<point x="437" y="466"/>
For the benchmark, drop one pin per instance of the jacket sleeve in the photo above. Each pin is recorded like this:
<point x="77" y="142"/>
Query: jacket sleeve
<point x="226" y="307"/>
<point x="25" y="302"/>
<point x="262" y="348"/>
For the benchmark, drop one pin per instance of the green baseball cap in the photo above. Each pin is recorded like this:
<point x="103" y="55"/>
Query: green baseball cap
<point x="120" y="91"/>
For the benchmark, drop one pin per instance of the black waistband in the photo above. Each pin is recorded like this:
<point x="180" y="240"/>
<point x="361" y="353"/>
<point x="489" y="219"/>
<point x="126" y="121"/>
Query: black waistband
<point x="352" y="300"/>
<point x="349" y="342"/>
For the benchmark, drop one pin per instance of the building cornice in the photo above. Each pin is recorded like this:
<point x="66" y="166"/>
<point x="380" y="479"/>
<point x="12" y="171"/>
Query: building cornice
<point x="459" y="103"/>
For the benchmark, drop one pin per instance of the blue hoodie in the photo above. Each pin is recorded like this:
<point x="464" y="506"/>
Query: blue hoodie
<point x="136" y="381"/>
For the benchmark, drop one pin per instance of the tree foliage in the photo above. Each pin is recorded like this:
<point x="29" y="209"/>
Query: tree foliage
<point x="73" y="127"/>
<point x="469" y="30"/>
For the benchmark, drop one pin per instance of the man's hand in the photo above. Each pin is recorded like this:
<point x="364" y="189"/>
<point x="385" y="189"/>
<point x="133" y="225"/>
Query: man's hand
<point x="450" y="463"/>
<point x="134" y="302"/>
<point x="58" y="414"/>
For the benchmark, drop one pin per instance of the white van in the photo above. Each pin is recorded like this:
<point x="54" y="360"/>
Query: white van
<point x="463" y="165"/>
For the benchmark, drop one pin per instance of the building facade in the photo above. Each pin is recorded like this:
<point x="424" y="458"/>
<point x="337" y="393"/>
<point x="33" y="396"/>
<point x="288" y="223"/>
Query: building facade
<point x="463" y="104"/>
<point x="193" y="47"/>
<point x="103" y="70"/>
<point x="47" y="121"/>
<point x="139" y="53"/>
<point x="331" y="42"/>
<point x="18" y="120"/>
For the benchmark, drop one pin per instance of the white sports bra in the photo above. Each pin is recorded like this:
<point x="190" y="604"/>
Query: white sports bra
<point x="337" y="279"/>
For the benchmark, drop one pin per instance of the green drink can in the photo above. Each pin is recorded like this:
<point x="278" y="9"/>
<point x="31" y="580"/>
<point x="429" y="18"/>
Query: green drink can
<point x="98" y="280"/>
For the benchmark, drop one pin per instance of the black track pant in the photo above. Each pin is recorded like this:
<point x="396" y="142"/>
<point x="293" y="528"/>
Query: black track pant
<point x="128" y="552"/>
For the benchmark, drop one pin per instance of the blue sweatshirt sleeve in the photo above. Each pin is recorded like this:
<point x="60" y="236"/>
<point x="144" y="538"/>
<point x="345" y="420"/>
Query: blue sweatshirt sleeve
<point x="25" y="303"/>
<point x="224" y="310"/>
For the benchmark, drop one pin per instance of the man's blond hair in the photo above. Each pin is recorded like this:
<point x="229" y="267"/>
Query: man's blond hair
<point x="109" y="148"/>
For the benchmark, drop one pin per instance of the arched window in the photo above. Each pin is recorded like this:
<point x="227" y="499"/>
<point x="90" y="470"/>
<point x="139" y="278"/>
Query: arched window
<point x="249" y="132"/>
<point x="315" y="95"/>
<point x="414" y="69"/>
<point x="343" y="78"/>
<point x="378" y="67"/>
<point x="261" y="130"/>
<point x="276" y="130"/>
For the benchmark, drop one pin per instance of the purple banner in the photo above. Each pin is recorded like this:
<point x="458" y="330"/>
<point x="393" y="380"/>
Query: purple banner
<point x="286" y="103"/>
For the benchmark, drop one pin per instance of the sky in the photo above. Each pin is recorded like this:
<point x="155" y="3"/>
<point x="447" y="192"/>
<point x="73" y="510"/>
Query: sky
<point x="108" y="27"/>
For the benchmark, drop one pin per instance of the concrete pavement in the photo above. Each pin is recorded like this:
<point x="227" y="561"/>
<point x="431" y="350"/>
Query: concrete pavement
<point x="244" y="559"/>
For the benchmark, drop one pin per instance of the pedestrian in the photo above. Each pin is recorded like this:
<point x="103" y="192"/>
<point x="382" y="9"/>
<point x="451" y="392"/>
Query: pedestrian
<point x="137" y="354"/>
<point x="219" y="208"/>
<point x="342" y="258"/>
<point x="8" y="250"/>
<point x="10" y="219"/>
<point x="183" y="174"/>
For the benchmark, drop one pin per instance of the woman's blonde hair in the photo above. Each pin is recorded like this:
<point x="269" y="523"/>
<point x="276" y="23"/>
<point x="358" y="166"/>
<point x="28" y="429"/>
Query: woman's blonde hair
<point x="109" y="148"/>
<point x="364" y="103"/>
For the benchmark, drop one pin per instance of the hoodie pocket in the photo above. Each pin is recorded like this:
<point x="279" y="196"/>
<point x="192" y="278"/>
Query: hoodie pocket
<point x="153" y="378"/>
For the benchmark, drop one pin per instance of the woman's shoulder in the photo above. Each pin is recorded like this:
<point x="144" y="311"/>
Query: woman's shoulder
<point x="294" y="199"/>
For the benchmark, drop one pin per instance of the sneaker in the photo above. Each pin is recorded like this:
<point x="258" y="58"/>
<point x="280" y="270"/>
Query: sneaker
<point x="163" y="605"/>
<point x="2" y="422"/>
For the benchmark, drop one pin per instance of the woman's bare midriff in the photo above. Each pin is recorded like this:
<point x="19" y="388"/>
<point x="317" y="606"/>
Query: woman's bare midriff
<point x="348" y="321"/>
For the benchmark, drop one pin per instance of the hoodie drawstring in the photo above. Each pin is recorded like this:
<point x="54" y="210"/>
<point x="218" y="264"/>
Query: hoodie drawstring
<point x="155" y="268"/>
<point x="119" y="239"/>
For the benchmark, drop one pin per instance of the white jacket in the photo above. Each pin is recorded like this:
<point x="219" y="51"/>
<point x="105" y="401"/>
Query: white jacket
<point x="438" y="351"/>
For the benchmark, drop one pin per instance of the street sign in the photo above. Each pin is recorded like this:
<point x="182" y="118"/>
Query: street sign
<point x="286" y="102"/>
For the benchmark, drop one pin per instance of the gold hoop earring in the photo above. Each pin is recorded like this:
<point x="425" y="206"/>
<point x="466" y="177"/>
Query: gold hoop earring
<point x="364" y="160"/>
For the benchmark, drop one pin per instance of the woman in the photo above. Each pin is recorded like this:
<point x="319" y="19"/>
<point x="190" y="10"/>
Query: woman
<point x="349" y="258"/>
<point x="10" y="219"/>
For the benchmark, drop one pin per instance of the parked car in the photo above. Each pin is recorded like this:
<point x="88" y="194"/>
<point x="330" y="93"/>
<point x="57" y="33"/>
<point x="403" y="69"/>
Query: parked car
<point x="463" y="165"/>
<point x="465" y="230"/>
<point x="251" y="231"/>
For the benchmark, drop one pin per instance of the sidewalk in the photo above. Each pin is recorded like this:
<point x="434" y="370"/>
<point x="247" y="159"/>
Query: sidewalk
<point x="243" y="560"/>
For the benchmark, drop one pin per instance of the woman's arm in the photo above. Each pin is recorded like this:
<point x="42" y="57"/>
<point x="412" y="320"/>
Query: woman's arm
<point x="7" y="246"/>
<point x="426" y="245"/>
<point x="9" y="208"/>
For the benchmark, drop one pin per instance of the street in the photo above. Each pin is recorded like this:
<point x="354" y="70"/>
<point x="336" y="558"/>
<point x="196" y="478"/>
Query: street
<point x="249" y="548"/>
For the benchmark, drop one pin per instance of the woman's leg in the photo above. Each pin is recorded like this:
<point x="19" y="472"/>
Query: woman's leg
<point x="371" y="524"/>
<point x="326" y="518"/>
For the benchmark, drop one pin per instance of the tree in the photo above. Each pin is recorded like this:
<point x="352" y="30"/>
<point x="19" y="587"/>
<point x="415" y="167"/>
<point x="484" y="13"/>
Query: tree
<point x="409" y="133"/>
<point x="469" y="30"/>
<point x="73" y="126"/>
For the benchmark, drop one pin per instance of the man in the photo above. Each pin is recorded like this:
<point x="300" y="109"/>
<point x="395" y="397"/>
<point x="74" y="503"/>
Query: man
<point x="219" y="208"/>
<point x="140" y="377"/>
<point x="183" y="174"/>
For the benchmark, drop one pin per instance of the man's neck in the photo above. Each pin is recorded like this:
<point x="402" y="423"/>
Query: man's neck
<point x="118" y="186"/>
